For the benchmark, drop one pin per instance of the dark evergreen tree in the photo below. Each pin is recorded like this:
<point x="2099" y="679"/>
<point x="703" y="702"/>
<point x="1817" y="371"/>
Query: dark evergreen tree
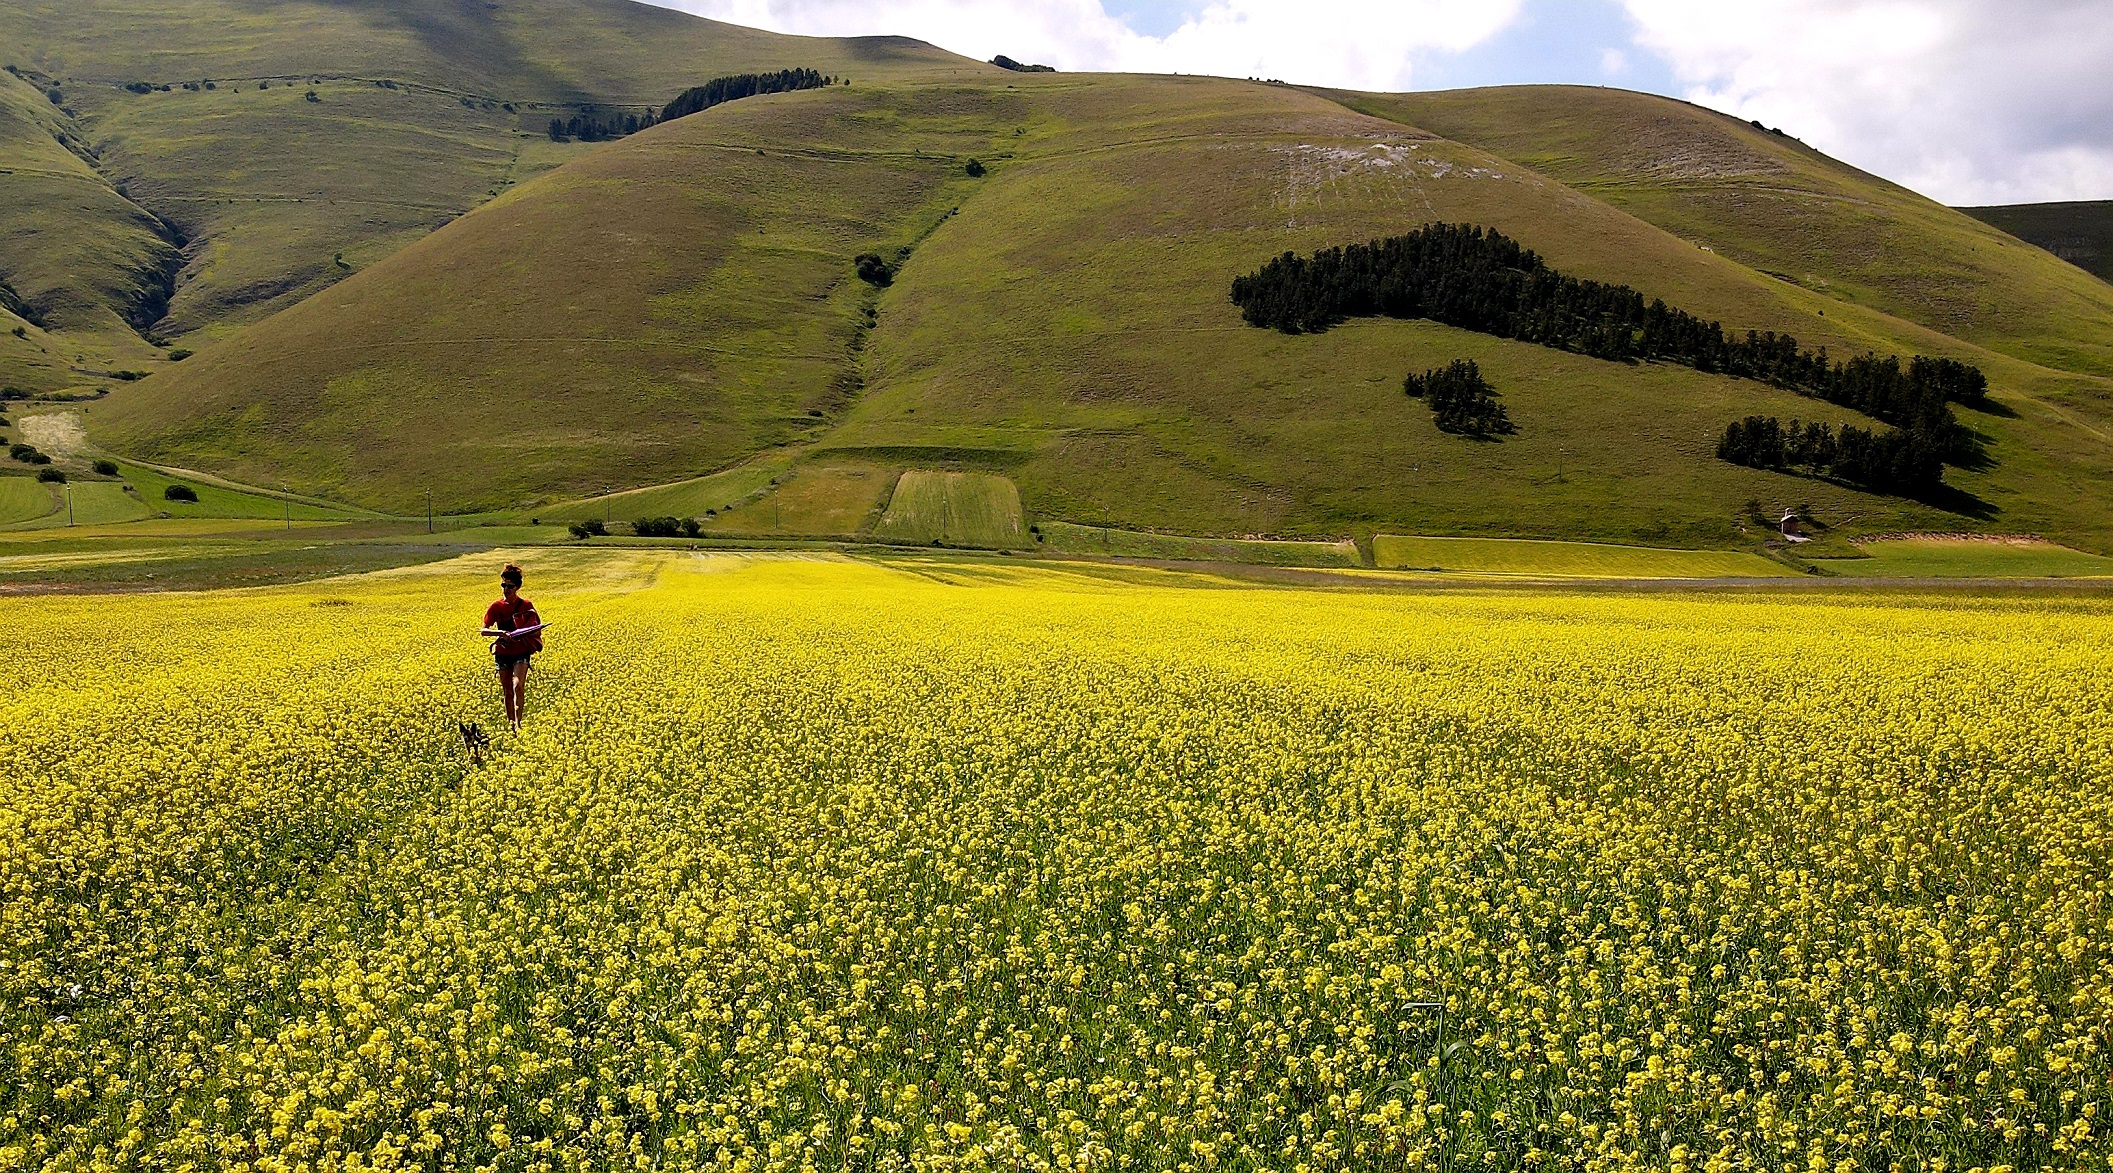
<point x="1461" y="400"/>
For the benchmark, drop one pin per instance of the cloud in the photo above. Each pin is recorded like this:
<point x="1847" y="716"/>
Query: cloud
<point x="1362" y="44"/>
<point x="1967" y="101"/>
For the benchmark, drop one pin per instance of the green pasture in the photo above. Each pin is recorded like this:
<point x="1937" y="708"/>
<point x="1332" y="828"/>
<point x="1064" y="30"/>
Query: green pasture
<point x="1565" y="559"/>
<point x="695" y="497"/>
<point x="955" y="509"/>
<point x="281" y="195"/>
<point x="1029" y="332"/>
<point x="71" y="246"/>
<point x="1060" y="537"/>
<point x="723" y="323"/>
<point x="824" y="500"/>
<point x="23" y="499"/>
<point x="215" y="500"/>
<point x="87" y="503"/>
<point x="1967" y="558"/>
<point x="1075" y="315"/>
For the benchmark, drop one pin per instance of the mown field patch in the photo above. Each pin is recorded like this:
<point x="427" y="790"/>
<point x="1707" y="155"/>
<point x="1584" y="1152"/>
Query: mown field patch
<point x="83" y="503"/>
<point x="975" y="509"/>
<point x="826" y="500"/>
<point x="23" y="499"/>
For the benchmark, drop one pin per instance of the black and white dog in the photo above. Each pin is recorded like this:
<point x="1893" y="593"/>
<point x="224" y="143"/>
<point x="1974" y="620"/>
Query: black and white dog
<point x="474" y="741"/>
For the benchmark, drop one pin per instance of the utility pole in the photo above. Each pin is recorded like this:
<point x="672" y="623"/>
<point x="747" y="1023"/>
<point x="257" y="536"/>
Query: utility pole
<point x="429" y="511"/>
<point x="69" y="507"/>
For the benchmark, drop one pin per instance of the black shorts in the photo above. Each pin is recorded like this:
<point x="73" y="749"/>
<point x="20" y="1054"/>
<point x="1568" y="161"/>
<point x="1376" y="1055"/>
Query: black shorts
<point x="506" y="663"/>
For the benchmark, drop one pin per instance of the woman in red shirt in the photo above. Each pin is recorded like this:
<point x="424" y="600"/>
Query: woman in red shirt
<point x="511" y="614"/>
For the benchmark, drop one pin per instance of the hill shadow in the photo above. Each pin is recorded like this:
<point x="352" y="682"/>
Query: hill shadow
<point x="1992" y="407"/>
<point x="1953" y="499"/>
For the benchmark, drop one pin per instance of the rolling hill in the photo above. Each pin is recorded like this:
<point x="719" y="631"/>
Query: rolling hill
<point x="2079" y="232"/>
<point x="84" y="267"/>
<point x="283" y="146"/>
<point x="504" y="358"/>
<point x="1771" y="203"/>
<point x="684" y="300"/>
<point x="399" y="284"/>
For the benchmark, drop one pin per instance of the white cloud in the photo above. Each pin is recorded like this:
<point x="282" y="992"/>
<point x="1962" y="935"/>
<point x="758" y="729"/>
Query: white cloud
<point x="1363" y="44"/>
<point x="1967" y="101"/>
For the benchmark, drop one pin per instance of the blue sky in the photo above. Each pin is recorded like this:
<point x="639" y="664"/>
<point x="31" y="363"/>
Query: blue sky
<point x="1966" y="101"/>
<point x="1587" y="42"/>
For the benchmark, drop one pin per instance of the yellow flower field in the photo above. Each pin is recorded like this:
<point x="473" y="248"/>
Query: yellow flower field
<point x="808" y="864"/>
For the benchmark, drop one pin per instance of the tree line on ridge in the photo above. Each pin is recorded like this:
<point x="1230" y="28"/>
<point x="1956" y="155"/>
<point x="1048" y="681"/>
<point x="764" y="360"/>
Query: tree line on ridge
<point x="591" y="128"/>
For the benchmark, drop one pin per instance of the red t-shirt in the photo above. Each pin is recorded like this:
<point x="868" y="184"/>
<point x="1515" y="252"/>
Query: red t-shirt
<point x="506" y="617"/>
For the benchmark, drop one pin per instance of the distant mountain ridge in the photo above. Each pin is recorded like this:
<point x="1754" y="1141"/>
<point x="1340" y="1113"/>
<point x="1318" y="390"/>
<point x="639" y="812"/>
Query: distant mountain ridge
<point x="2079" y="232"/>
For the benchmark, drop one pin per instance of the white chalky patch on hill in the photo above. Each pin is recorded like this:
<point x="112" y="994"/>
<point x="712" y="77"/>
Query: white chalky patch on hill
<point x="1311" y="169"/>
<point x="58" y="433"/>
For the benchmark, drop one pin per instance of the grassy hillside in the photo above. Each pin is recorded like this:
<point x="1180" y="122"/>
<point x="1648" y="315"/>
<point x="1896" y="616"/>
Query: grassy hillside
<point x="682" y="304"/>
<point x="2080" y="233"/>
<point x="661" y="307"/>
<point x="1071" y="325"/>
<point x="83" y="262"/>
<point x="1784" y="209"/>
<point x="331" y="135"/>
<point x="538" y="50"/>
